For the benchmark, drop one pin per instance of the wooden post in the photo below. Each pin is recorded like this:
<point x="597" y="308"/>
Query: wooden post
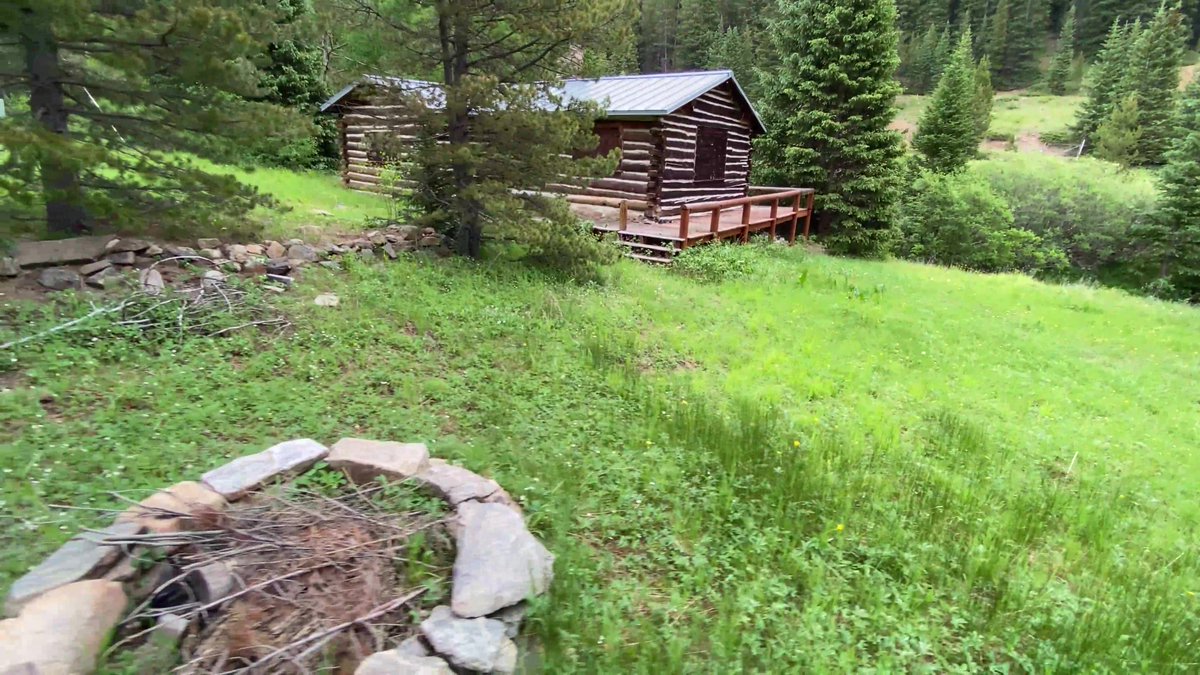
<point x="745" y="222"/>
<point x="774" y="215"/>
<point x="808" y="217"/>
<point x="715" y="223"/>
<point x="684" y="217"/>
<point x="624" y="215"/>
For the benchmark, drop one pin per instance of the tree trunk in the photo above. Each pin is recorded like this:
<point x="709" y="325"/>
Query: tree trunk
<point x="454" y="30"/>
<point x="65" y="213"/>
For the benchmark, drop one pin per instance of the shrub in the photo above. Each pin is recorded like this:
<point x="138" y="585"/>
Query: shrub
<point x="1086" y="208"/>
<point x="718" y="262"/>
<point x="958" y="221"/>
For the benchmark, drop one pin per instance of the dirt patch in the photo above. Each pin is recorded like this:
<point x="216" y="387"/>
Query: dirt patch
<point x="1027" y="143"/>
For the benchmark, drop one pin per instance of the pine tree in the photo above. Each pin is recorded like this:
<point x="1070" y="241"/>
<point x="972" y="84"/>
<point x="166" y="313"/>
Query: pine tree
<point x="1064" y="56"/>
<point x="984" y="94"/>
<point x="998" y="47"/>
<point x="1152" y="75"/>
<point x="115" y="94"/>
<point x="1104" y="80"/>
<point x="699" y="26"/>
<point x="1099" y="16"/>
<point x="948" y="133"/>
<point x="1172" y="237"/>
<point x="1119" y="138"/>
<point x="926" y="64"/>
<point x="828" y="109"/>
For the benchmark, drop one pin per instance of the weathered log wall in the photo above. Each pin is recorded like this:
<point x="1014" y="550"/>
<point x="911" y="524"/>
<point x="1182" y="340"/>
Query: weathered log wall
<point x="359" y="120"/>
<point x="636" y="177"/>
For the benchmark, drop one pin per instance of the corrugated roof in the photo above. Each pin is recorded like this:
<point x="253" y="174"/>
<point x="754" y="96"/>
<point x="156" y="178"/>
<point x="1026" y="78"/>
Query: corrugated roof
<point x="622" y="96"/>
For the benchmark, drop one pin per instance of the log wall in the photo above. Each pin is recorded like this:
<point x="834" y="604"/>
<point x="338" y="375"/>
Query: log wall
<point x="636" y="177"/>
<point x="358" y="121"/>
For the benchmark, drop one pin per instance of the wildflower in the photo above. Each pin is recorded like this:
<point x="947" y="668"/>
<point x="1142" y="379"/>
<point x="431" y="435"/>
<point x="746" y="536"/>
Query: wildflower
<point x="840" y="527"/>
<point x="795" y="444"/>
<point x="683" y="401"/>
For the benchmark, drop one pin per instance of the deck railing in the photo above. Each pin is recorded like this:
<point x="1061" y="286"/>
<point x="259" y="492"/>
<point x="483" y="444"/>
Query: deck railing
<point x="801" y="207"/>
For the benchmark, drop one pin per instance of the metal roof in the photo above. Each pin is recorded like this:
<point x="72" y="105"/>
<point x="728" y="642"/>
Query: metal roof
<point x="622" y="96"/>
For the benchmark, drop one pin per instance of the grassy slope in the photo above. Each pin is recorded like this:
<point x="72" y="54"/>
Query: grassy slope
<point x="1012" y="113"/>
<point x="831" y="463"/>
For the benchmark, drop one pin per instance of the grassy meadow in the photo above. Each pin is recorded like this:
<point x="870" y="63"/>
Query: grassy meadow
<point x="1013" y="113"/>
<point x="824" y="465"/>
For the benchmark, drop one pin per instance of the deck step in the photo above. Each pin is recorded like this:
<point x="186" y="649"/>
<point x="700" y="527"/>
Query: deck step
<point x="649" y="258"/>
<point x="650" y="247"/>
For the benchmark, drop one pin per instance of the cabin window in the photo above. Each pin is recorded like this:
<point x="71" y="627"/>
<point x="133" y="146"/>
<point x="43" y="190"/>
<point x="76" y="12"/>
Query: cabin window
<point x="710" y="154"/>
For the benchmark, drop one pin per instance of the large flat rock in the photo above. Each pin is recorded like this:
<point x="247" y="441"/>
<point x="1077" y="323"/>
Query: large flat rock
<point x="397" y="663"/>
<point x="474" y="644"/>
<point x="456" y="484"/>
<point x="83" y="557"/>
<point x="60" y="251"/>
<point x="365" y="460"/>
<point x="175" y="508"/>
<point x="499" y="563"/>
<point x="244" y="474"/>
<point x="61" y="632"/>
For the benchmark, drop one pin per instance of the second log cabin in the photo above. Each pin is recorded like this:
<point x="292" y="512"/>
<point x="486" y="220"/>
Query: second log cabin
<point x="684" y="137"/>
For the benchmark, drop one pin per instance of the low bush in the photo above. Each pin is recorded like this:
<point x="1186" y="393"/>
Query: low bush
<point x="718" y="262"/>
<point x="1085" y="207"/>
<point x="958" y="221"/>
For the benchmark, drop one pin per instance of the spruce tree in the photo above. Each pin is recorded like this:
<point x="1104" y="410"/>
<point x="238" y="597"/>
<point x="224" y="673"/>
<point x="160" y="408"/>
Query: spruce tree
<point x="1064" y="56"/>
<point x="828" y="109"/>
<point x="1104" y="80"/>
<point x="984" y="95"/>
<point x="925" y="68"/>
<point x="948" y="133"/>
<point x="1152" y="75"/>
<point x="998" y="48"/>
<point x="1172" y="236"/>
<point x="1119" y="138"/>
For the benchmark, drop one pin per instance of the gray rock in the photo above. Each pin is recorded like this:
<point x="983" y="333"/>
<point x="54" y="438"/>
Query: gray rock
<point x="208" y="242"/>
<point x="395" y="663"/>
<point x="377" y="239"/>
<point x="331" y="265"/>
<point x="247" y="473"/>
<point x="254" y="265"/>
<point x="294" y="242"/>
<point x="279" y="266"/>
<point x="152" y="282"/>
<point x="275" y="250"/>
<point x="62" y="632"/>
<point x="365" y="460"/>
<point x="282" y="279"/>
<point x="456" y="484"/>
<point x="428" y="232"/>
<point x="255" y="249"/>
<point x="171" y="627"/>
<point x="153" y="250"/>
<point x="129" y="246"/>
<point x="58" y="279"/>
<point x="212" y="253"/>
<point x="211" y="279"/>
<point x="80" y="558"/>
<point x="389" y="251"/>
<point x="212" y="582"/>
<point x="430" y="242"/>
<point x="104" y="278"/>
<point x="236" y="252"/>
<point x="123" y="258"/>
<point x="474" y="644"/>
<point x="326" y="300"/>
<point x="413" y="646"/>
<point x="499" y="563"/>
<point x="60" y="251"/>
<point x="9" y="267"/>
<point x="511" y="617"/>
<point x="303" y="252"/>
<point x="408" y="232"/>
<point x="366" y="254"/>
<point x="91" y="268"/>
<point x="177" y="251"/>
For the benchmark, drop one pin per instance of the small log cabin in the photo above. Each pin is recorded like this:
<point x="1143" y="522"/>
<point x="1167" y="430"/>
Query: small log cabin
<point x="684" y="137"/>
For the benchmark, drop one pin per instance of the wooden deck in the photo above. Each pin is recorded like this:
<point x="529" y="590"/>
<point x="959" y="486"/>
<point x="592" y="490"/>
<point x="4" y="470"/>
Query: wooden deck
<point x="780" y="212"/>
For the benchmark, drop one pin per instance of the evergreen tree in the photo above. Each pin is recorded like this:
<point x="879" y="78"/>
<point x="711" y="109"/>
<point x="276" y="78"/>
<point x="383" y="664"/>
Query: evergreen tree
<point x="1104" y="80"/>
<point x="984" y="94"/>
<point x="699" y="26"/>
<point x="1172" y="237"/>
<point x="115" y="94"/>
<point x="948" y="133"/>
<point x="1152" y="75"/>
<point x="1119" y="138"/>
<point x="998" y="48"/>
<point x="828" y="109"/>
<point x="1099" y="16"/>
<point x="734" y="50"/>
<point x="926" y="63"/>
<point x="1064" y="56"/>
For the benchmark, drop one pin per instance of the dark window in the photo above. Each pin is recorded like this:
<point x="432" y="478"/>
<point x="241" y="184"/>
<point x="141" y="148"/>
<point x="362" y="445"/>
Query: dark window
<point x="610" y="137"/>
<point x="710" y="154"/>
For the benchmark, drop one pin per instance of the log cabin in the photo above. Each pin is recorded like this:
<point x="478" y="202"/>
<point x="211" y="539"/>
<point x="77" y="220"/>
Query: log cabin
<point x="684" y="137"/>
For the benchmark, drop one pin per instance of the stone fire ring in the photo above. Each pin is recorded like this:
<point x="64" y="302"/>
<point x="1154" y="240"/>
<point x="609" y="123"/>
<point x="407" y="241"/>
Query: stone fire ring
<point x="66" y="608"/>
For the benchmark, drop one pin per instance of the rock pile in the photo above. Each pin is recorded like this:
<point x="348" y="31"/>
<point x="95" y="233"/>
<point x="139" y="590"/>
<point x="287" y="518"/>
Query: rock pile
<point x="103" y="260"/>
<point x="67" y="606"/>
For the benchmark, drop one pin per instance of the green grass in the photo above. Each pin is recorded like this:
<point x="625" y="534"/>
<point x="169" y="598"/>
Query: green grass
<point x="1012" y="114"/>
<point x="820" y="466"/>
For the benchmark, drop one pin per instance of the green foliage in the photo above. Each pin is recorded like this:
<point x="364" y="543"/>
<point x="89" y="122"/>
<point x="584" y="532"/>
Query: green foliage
<point x="114" y="94"/>
<point x="1088" y="208"/>
<point x="1172" y="236"/>
<point x="1059" y="74"/>
<point x="1017" y="31"/>
<point x="1119" y="138"/>
<point x="948" y="135"/>
<point x="1152" y="76"/>
<point x="878" y="456"/>
<point x="958" y="221"/>
<point x="718" y="262"/>
<point x="827" y="111"/>
<point x="925" y="60"/>
<point x="1103" y="87"/>
<point x="984" y="97"/>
